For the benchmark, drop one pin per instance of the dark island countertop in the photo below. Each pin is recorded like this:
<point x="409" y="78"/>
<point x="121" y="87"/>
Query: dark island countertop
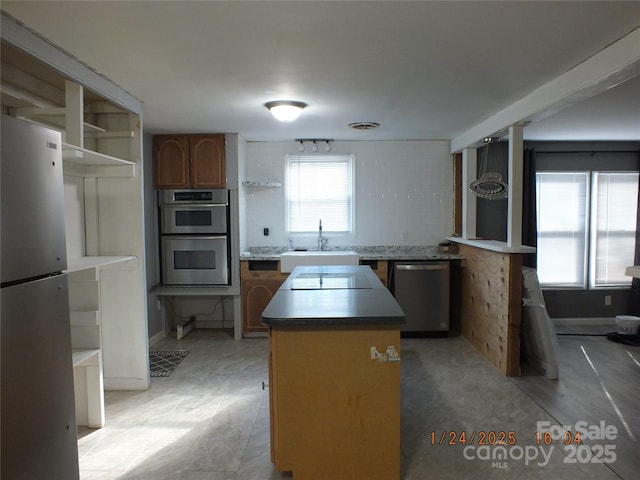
<point x="332" y="295"/>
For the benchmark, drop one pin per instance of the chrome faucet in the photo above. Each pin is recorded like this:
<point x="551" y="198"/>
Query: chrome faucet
<point x="322" y="241"/>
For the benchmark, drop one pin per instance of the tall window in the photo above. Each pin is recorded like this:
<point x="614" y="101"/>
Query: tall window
<point x="320" y="187"/>
<point x="586" y="227"/>
<point x="562" y="228"/>
<point x="613" y="231"/>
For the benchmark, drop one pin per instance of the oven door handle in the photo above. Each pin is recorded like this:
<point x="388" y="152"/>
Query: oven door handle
<point x="193" y="205"/>
<point x="181" y="236"/>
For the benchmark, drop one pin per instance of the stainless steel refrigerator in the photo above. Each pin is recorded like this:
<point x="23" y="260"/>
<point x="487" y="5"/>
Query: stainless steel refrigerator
<point x="37" y="411"/>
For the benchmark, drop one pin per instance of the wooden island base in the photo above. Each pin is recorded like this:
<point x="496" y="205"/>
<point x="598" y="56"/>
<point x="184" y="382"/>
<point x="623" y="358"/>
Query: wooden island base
<point x="335" y="412"/>
<point x="334" y="375"/>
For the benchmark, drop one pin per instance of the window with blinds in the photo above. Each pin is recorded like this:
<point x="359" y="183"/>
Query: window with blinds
<point x="320" y="187"/>
<point x="613" y="231"/>
<point x="586" y="228"/>
<point x="562" y="228"/>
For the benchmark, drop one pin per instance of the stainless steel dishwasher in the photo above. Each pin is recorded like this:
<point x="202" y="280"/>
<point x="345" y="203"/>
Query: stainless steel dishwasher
<point x="422" y="290"/>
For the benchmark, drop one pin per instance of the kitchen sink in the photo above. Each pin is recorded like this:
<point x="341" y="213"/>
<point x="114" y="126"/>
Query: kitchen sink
<point x="290" y="260"/>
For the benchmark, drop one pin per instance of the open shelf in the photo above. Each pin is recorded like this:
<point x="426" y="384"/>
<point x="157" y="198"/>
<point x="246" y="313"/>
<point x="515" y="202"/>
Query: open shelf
<point x="254" y="183"/>
<point x="83" y="356"/>
<point x="82" y="156"/>
<point x="84" y="263"/>
<point x="85" y="318"/>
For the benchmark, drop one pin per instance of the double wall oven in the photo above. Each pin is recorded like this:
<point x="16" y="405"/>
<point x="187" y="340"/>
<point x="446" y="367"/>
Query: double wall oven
<point x="194" y="227"/>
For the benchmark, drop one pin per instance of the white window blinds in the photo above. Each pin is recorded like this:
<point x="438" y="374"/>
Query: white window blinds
<point x="320" y="187"/>
<point x="562" y="228"/>
<point x="613" y="218"/>
<point x="574" y="207"/>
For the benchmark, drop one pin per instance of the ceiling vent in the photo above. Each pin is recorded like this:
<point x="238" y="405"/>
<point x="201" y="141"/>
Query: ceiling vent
<point x="364" y="125"/>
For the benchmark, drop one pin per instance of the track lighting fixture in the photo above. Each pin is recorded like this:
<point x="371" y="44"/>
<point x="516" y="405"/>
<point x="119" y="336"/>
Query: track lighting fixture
<point x="314" y="143"/>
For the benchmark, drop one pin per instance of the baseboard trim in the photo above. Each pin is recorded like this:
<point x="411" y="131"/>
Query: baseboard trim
<point x="115" y="383"/>
<point x="157" y="337"/>
<point x="585" y="321"/>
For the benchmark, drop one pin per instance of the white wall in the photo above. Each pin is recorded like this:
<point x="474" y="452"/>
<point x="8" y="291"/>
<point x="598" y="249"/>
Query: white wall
<point x="404" y="194"/>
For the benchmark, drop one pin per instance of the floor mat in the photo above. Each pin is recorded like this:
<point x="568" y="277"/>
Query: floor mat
<point x="162" y="364"/>
<point x="633" y="340"/>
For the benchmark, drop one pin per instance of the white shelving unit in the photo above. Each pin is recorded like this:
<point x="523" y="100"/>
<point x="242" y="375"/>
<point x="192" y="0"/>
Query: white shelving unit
<point x="86" y="336"/>
<point x="86" y="340"/>
<point x="81" y="161"/>
<point x="102" y="154"/>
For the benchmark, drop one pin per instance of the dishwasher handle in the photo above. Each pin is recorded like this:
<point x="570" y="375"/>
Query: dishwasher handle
<point x="422" y="267"/>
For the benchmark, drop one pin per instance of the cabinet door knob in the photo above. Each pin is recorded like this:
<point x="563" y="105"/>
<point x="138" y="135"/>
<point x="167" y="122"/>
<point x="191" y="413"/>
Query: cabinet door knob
<point x="265" y="385"/>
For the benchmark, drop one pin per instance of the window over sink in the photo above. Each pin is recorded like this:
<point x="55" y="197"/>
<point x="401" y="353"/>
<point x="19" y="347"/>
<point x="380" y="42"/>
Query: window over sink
<point x="320" y="187"/>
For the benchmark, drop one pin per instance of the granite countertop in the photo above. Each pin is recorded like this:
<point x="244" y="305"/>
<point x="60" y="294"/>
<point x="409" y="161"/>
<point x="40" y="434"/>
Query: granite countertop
<point x="366" y="253"/>
<point x="332" y="295"/>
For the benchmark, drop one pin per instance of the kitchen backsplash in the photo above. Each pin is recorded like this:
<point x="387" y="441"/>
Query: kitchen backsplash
<point x="404" y="194"/>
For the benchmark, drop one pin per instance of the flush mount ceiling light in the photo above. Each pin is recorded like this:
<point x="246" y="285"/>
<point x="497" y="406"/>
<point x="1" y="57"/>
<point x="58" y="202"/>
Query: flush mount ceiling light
<point x="285" y="110"/>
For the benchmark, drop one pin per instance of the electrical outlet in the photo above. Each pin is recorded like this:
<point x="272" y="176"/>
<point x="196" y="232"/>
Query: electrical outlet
<point x="405" y="235"/>
<point x="607" y="300"/>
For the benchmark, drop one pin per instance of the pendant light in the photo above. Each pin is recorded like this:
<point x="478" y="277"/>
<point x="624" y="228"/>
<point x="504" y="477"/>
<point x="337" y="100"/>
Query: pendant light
<point x="490" y="184"/>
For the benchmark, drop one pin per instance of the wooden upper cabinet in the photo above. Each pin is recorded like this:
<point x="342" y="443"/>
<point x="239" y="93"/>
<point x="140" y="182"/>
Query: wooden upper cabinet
<point x="207" y="161"/>
<point x="171" y="161"/>
<point x="189" y="161"/>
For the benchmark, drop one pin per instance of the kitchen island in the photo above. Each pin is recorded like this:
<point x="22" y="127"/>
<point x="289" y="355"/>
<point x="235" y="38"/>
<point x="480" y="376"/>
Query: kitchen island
<point x="334" y="375"/>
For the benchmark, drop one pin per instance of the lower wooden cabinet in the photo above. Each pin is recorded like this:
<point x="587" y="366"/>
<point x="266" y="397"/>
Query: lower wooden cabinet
<point x="261" y="280"/>
<point x="380" y="268"/>
<point x="258" y="288"/>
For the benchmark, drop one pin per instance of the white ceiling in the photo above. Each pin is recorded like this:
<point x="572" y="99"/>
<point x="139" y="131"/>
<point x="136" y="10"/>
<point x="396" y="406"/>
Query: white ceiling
<point x="422" y="69"/>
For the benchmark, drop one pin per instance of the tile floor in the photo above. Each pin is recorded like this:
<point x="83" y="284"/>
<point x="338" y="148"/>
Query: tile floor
<point x="210" y="418"/>
<point x="599" y="381"/>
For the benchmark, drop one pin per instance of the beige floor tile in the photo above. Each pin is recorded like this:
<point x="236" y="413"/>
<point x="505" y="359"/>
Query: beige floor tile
<point x="210" y="418"/>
